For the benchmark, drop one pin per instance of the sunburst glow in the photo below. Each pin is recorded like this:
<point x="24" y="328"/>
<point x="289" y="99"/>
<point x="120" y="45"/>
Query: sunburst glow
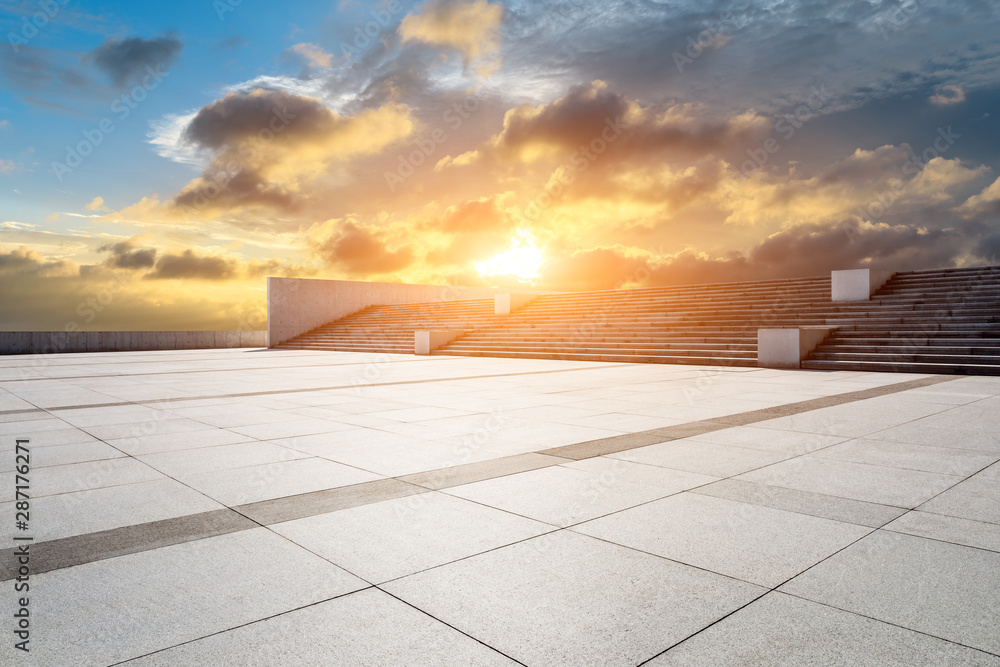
<point x="523" y="260"/>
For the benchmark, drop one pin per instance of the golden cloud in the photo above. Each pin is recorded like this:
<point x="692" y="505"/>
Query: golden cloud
<point x="267" y="145"/>
<point x="472" y="28"/>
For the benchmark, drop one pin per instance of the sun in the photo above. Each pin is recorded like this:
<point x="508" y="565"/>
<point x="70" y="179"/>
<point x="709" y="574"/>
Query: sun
<point x="523" y="260"/>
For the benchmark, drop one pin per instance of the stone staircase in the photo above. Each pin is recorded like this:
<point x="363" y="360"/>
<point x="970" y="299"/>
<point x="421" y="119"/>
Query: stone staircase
<point x="390" y="328"/>
<point x="930" y="321"/>
<point x="701" y="324"/>
<point x="945" y="321"/>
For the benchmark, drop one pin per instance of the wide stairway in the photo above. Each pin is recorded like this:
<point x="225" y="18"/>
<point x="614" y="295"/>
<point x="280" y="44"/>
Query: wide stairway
<point x="945" y="321"/>
<point x="929" y="321"/>
<point x="701" y="324"/>
<point x="390" y="328"/>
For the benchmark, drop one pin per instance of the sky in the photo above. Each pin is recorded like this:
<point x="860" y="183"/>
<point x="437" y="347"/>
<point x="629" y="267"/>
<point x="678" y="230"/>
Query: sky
<point x="158" y="161"/>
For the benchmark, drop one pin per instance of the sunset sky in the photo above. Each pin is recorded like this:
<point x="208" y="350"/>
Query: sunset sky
<point x="159" y="160"/>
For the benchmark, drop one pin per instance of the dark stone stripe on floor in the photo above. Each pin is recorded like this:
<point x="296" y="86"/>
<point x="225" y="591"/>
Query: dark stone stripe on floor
<point x="289" y="508"/>
<point x="468" y="473"/>
<point x="836" y="508"/>
<point x="71" y="551"/>
<point x="80" y="549"/>
<point x="621" y="443"/>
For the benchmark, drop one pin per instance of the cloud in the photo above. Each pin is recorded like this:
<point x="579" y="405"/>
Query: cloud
<point x="807" y="250"/>
<point x="25" y="261"/>
<point x="126" y="61"/>
<point x="44" y="72"/>
<point x="949" y="95"/>
<point x="97" y="204"/>
<point x="7" y="167"/>
<point x="985" y="203"/>
<point x="188" y="265"/>
<point x="265" y="145"/>
<point x="468" y="232"/>
<point x="124" y="255"/>
<point x="470" y="27"/>
<point x="358" y="249"/>
<point x="314" y="55"/>
<point x="592" y="118"/>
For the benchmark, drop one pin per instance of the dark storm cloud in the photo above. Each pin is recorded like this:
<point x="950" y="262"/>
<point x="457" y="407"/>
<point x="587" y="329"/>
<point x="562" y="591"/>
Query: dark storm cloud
<point x="189" y="265"/>
<point x="126" y="61"/>
<point x="124" y="255"/>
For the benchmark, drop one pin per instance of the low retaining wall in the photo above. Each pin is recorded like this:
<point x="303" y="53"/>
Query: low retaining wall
<point x="49" y="342"/>
<point x="298" y="305"/>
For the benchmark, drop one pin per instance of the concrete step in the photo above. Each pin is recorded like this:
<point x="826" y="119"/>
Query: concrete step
<point x="630" y="359"/>
<point x="888" y="367"/>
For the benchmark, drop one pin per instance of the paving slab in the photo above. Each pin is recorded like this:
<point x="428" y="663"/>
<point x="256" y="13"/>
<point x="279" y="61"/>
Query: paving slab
<point x="971" y="533"/>
<point x="568" y="599"/>
<point x="836" y="508"/>
<point x="977" y="498"/>
<point x="783" y="631"/>
<point x="399" y="537"/>
<point x="701" y="457"/>
<point x="870" y="483"/>
<point x="757" y="544"/>
<point x="367" y="628"/>
<point x="945" y="460"/>
<point x="580" y="490"/>
<point x="157" y="599"/>
<point x="238" y="486"/>
<point x="944" y="590"/>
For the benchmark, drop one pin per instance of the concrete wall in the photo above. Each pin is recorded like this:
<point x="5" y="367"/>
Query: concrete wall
<point x="296" y="305"/>
<point x="49" y="342"/>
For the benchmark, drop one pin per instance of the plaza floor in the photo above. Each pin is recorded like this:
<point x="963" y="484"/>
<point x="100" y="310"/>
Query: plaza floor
<point x="260" y="507"/>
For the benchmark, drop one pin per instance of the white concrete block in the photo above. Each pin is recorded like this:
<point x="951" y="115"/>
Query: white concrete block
<point x="425" y="342"/>
<point x="857" y="284"/>
<point x="786" y="348"/>
<point x="505" y="304"/>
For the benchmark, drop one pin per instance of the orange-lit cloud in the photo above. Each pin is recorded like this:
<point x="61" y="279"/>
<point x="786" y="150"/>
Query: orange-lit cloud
<point x="471" y="27"/>
<point x="265" y="146"/>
